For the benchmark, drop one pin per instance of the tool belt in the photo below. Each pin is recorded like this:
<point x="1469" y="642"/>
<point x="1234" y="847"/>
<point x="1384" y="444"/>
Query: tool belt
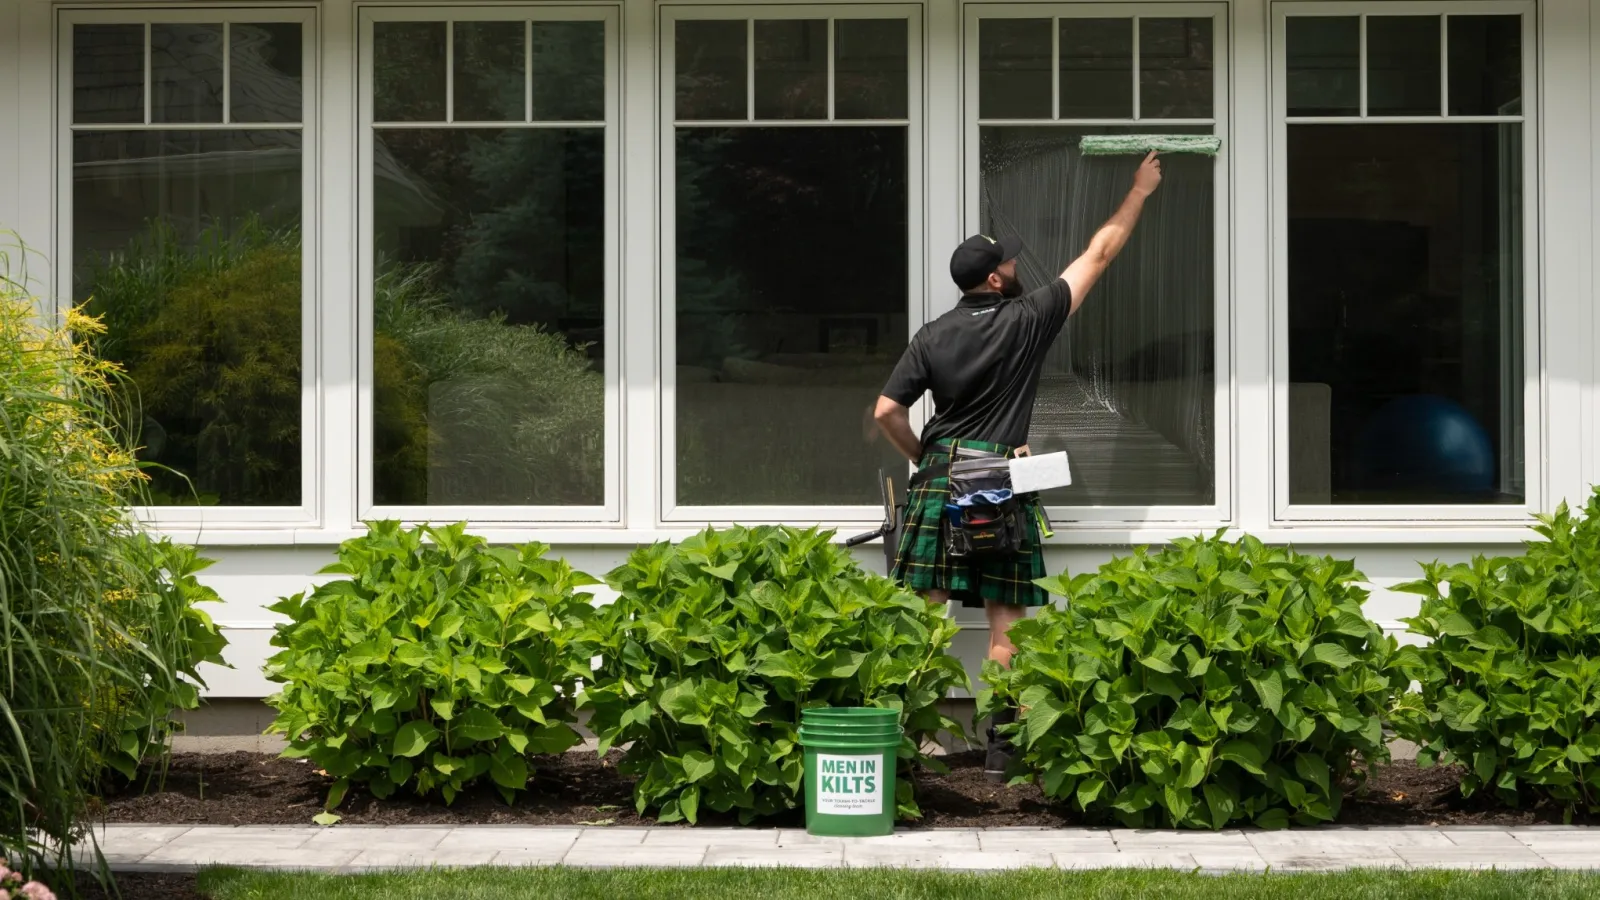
<point x="983" y="517"/>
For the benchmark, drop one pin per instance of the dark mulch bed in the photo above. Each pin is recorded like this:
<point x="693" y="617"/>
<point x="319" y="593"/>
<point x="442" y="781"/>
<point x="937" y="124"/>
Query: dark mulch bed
<point x="579" y="788"/>
<point x="138" y="886"/>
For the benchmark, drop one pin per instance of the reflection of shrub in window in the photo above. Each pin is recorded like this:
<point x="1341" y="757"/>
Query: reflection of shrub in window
<point x="209" y="333"/>
<point x="474" y="410"/>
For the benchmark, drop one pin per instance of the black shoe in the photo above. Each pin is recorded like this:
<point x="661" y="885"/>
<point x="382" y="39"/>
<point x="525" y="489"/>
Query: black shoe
<point x="998" y="759"/>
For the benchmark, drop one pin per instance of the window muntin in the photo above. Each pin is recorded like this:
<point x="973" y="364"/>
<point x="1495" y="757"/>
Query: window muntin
<point x="185" y="220"/>
<point x="1130" y="391"/>
<point x="1404" y="381"/>
<point x="490" y="291"/>
<point x="794" y="132"/>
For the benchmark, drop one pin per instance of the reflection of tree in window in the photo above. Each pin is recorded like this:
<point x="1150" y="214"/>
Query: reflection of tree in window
<point x="187" y="243"/>
<point x="791" y="310"/>
<point x="489" y="302"/>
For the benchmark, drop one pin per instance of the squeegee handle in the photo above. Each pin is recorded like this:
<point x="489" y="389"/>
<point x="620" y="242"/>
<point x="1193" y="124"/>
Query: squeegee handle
<point x="860" y="539"/>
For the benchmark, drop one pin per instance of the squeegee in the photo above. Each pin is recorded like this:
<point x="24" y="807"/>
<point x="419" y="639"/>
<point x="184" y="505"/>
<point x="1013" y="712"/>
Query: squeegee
<point x="1140" y="144"/>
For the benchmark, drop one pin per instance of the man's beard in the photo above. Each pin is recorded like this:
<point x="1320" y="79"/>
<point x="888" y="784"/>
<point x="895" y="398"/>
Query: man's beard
<point x="1010" y="287"/>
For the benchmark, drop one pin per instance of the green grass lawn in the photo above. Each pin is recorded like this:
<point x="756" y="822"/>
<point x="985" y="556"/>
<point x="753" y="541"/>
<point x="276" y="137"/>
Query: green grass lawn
<point x="878" y="884"/>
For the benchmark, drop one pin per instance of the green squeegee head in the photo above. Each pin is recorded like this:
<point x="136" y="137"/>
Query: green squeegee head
<point x="1140" y="144"/>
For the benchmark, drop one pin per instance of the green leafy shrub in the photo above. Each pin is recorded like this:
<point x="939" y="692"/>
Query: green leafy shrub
<point x="1510" y="676"/>
<point x="435" y="663"/>
<point x="1210" y="683"/>
<point x="160" y="615"/>
<point x="717" y="643"/>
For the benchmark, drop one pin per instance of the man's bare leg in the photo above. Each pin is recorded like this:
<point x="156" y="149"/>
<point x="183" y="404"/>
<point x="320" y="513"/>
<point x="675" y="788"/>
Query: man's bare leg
<point x="1001" y="617"/>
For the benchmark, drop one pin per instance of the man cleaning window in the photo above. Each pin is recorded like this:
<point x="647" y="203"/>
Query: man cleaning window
<point x="977" y="543"/>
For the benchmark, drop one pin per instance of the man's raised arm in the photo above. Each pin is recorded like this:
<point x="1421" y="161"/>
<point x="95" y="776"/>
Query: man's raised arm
<point x="1112" y="236"/>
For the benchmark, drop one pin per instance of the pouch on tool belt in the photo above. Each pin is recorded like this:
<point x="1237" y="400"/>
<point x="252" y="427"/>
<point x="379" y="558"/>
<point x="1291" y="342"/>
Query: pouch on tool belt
<point x="984" y="517"/>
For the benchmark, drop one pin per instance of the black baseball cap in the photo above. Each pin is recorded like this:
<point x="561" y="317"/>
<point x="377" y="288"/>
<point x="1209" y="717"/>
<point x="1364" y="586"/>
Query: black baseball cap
<point x="978" y="256"/>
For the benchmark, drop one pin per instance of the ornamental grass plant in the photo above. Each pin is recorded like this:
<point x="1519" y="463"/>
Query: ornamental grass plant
<point x="90" y="621"/>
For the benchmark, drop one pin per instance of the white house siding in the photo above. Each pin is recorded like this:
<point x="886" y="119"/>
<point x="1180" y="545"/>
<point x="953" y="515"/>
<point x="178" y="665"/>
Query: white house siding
<point x="260" y="560"/>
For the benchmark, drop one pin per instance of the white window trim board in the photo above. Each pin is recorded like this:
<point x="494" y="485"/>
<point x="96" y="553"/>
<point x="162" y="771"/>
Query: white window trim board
<point x="311" y="481"/>
<point x="610" y="512"/>
<point x="1534" y="228"/>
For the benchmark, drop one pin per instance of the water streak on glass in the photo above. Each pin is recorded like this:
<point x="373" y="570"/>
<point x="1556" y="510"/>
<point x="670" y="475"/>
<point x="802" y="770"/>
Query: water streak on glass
<point x="1128" y="389"/>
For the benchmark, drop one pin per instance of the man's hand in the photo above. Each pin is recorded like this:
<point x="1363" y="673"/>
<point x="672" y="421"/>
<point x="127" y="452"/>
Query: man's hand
<point x="1148" y="178"/>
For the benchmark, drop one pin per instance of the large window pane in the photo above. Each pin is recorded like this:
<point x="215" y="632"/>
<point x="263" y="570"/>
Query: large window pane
<point x="188" y="244"/>
<point x="488" y="317"/>
<point x="780" y="353"/>
<point x="1128" y="387"/>
<point x="107" y="74"/>
<point x="185" y="73"/>
<point x="1405" y="313"/>
<point x="1014" y="60"/>
<point x="1324" y="65"/>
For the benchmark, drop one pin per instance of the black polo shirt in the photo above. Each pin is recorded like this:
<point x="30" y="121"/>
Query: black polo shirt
<point x="981" y="361"/>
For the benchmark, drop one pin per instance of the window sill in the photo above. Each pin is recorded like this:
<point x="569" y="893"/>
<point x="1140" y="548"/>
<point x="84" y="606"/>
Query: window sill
<point x="568" y="536"/>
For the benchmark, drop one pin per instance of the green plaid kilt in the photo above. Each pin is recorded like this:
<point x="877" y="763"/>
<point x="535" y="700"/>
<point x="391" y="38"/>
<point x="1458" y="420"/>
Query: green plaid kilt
<point x="922" y="564"/>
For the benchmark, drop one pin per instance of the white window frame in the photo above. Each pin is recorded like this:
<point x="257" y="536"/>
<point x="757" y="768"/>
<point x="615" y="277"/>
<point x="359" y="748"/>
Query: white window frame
<point x="610" y="512"/>
<point x="671" y="511"/>
<point x="221" y="517"/>
<point x="1535" y="421"/>
<point x="1084" y="518"/>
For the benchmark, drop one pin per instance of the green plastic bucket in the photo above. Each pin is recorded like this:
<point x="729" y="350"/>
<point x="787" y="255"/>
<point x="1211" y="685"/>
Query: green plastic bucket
<point x="860" y="714"/>
<point x="850" y="770"/>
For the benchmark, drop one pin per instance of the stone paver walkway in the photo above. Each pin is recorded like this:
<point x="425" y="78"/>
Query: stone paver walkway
<point x="345" y="848"/>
